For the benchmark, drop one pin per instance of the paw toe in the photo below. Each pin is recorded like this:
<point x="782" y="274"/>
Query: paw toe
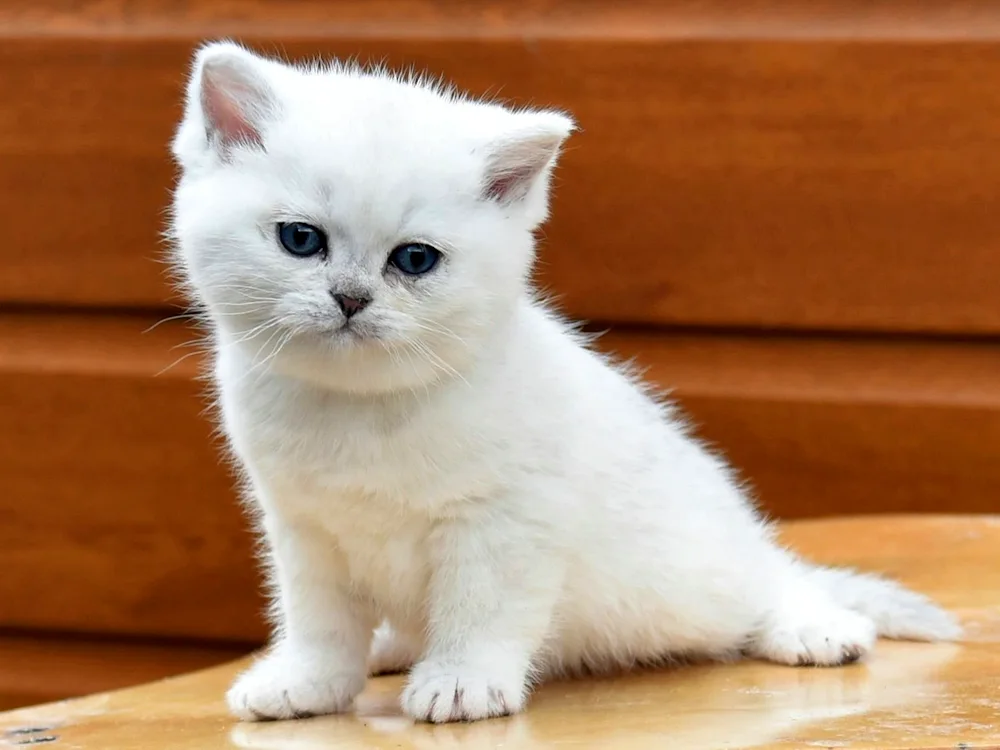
<point x="280" y="688"/>
<point x="830" y="638"/>
<point x="440" y="695"/>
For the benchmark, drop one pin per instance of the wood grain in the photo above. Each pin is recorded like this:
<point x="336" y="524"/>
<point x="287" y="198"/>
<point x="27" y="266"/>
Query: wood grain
<point x="825" y="165"/>
<point x="37" y="669"/>
<point x="906" y="696"/>
<point x="118" y="510"/>
<point x="829" y="427"/>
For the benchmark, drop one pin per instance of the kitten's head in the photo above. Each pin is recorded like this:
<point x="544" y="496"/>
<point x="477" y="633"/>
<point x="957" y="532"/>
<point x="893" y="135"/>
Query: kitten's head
<point x="353" y="227"/>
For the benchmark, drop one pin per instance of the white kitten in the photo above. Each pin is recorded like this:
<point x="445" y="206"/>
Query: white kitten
<point x="428" y="446"/>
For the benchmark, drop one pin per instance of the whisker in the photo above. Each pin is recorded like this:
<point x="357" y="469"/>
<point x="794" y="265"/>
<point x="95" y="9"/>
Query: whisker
<point x="430" y="328"/>
<point x="170" y="319"/>
<point x="437" y="362"/>
<point x="176" y="362"/>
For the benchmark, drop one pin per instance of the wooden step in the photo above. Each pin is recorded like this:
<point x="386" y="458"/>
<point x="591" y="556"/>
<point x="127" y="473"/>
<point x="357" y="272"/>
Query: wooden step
<point x="119" y="516"/>
<point x="36" y="669"/>
<point x="904" y="697"/>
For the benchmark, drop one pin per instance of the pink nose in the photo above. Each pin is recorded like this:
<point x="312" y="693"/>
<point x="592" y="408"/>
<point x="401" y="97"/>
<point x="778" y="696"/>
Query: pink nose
<point x="351" y="306"/>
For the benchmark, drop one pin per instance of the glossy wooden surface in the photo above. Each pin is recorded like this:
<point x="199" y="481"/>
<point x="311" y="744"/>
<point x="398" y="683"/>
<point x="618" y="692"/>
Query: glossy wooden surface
<point x="778" y="163"/>
<point x="905" y="696"/>
<point x="119" y="503"/>
<point x="44" y="668"/>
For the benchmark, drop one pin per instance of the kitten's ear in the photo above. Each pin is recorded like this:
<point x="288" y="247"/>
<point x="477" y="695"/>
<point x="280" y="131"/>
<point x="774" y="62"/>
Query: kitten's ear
<point x="522" y="160"/>
<point x="229" y="100"/>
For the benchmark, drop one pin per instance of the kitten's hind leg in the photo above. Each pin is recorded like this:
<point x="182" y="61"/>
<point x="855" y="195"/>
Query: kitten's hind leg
<point x="802" y="624"/>
<point x="392" y="651"/>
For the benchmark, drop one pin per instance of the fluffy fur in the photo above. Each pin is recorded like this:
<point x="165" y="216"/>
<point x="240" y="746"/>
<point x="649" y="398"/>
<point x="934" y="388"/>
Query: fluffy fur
<point x="451" y="479"/>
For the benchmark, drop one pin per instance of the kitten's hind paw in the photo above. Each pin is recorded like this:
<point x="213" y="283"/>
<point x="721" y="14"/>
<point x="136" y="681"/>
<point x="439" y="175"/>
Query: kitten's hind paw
<point x="821" y="636"/>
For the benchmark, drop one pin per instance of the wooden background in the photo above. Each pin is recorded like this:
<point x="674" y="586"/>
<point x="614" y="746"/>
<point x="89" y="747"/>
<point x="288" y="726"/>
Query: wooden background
<point x="787" y="210"/>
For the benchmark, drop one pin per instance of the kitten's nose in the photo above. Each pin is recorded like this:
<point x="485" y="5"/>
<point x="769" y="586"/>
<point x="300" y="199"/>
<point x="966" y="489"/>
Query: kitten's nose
<point x="350" y="306"/>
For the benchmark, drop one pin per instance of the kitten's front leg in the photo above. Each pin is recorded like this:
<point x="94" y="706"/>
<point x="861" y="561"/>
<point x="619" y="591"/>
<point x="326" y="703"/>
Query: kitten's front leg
<point x="317" y="663"/>
<point x="493" y="590"/>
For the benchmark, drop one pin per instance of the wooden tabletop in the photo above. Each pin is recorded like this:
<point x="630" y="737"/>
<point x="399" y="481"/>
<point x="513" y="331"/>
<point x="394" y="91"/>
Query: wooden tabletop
<point x="905" y="696"/>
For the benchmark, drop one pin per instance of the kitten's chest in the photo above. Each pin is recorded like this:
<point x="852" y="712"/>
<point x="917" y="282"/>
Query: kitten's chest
<point x="388" y="563"/>
<point x="353" y="475"/>
<point x="342" y="453"/>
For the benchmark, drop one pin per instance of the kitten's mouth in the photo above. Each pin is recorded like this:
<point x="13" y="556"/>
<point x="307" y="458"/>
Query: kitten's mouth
<point x="349" y="332"/>
<point x="341" y="334"/>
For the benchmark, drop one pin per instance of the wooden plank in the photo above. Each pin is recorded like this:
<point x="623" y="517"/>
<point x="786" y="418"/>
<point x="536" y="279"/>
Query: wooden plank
<point x="823" y="165"/>
<point x="831" y="427"/>
<point x="905" y="696"/>
<point x="117" y="509"/>
<point x="43" y="669"/>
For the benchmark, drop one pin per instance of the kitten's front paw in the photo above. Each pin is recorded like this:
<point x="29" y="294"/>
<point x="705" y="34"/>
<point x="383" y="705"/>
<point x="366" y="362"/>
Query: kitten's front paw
<point x="441" y="693"/>
<point x="826" y="636"/>
<point x="288" y="686"/>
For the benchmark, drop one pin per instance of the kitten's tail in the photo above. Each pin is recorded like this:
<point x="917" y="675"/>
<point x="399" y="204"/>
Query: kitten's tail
<point x="898" y="613"/>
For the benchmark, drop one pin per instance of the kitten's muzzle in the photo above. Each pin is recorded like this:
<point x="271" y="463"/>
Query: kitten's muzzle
<point x="350" y="306"/>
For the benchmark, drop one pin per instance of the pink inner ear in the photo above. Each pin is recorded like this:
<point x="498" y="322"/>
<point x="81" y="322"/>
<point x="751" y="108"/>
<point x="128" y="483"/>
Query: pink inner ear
<point x="228" y="119"/>
<point x="511" y="184"/>
<point x="231" y="103"/>
<point x="516" y="164"/>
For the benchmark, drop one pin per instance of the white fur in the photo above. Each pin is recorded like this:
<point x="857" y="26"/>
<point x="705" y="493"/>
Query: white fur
<point x="455" y="463"/>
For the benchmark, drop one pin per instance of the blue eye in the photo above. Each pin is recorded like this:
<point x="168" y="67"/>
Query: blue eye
<point x="415" y="259"/>
<point x="301" y="240"/>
